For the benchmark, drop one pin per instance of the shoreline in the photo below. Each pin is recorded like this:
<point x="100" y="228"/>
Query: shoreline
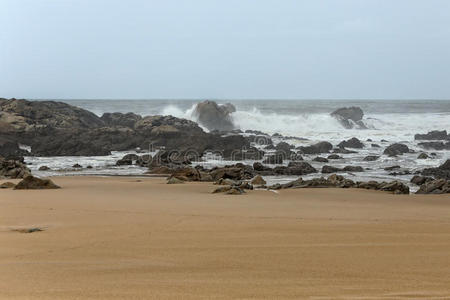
<point x="133" y="237"/>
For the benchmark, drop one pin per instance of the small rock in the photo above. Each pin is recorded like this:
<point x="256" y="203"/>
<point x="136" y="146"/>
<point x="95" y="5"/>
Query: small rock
<point x="371" y="158"/>
<point x="7" y="185"/>
<point x="422" y="156"/>
<point x="320" y="159"/>
<point x="77" y="166"/>
<point x="174" y="180"/>
<point x="44" y="168"/>
<point x="258" y="180"/>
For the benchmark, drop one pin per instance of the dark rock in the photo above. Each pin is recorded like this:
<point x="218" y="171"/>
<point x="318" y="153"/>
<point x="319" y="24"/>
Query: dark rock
<point x="214" y="116"/>
<point x="77" y="166"/>
<point x="334" y="156"/>
<point x="120" y="119"/>
<point x="321" y="147"/>
<point x="350" y="117"/>
<point x="435" y="145"/>
<point x="344" y="151"/>
<point x="276" y="158"/>
<point x="353" y="169"/>
<point x="34" y="183"/>
<point x="330" y="169"/>
<point x="127" y="160"/>
<point x="269" y="147"/>
<point x="396" y="149"/>
<point x="437" y="186"/>
<point x="371" y="158"/>
<point x="391" y="168"/>
<point x="441" y="172"/>
<point x="44" y="168"/>
<point x="433" y="135"/>
<point x="395" y="187"/>
<point x="300" y="168"/>
<point x="419" y="180"/>
<point x="320" y="159"/>
<point x="10" y="149"/>
<point x="375" y="146"/>
<point x="351" y="143"/>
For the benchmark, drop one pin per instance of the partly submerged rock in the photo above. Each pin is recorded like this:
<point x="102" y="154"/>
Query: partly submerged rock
<point x="350" y="117"/>
<point x="351" y="143"/>
<point x="433" y="135"/>
<point x="396" y="149"/>
<point x="321" y="147"/>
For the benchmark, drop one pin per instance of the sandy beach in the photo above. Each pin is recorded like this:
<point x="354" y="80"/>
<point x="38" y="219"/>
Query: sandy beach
<point x="139" y="238"/>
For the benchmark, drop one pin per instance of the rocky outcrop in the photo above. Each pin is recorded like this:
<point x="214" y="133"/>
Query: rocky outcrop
<point x="35" y="183"/>
<point x="396" y="149"/>
<point x="337" y="181"/>
<point x="10" y="168"/>
<point x="350" y="117"/>
<point x="214" y="116"/>
<point x="331" y="169"/>
<point x="119" y="119"/>
<point x="438" y="186"/>
<point x="127" y="160"/>
<point x="433" y="135"/>
<point x="351" y="143"/>
<point x="441" y="172"/>
<point x="10" y="149"/>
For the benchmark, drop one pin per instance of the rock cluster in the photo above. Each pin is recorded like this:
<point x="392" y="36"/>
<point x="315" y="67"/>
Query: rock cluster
<point x="10" y="168"/>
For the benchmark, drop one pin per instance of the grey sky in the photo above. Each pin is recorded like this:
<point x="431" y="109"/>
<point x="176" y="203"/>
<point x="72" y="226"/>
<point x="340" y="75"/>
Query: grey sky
<point x="225" y="49"/>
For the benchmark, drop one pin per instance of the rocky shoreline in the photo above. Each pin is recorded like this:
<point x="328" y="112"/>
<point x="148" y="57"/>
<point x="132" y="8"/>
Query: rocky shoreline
<point x="50" y="128"/>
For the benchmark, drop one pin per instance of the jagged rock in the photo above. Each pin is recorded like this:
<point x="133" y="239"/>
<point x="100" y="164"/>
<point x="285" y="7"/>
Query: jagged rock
<point x="44" y="168"/>
<point x="396" y="149"/>
<point x="7" y="185"/>
<point x="422" y="156"/>
<point x="321" y="147"/>
<point x="10" y="149"/>
<point x="320" y="159"/>
<point x="13" y="169"/>
<point x="120" y="119"/>
<point x="442" y="171"/>
<point x="34" y="183"/>
<point x="350" y="117"/>
<point x="258" y="180"/>
<point x="396" y="187"/>
<point x="438" y="186"/>
<point x="433" y="135"/>
<point x="435" y="145"/>
<point x="334" y="156"/>
<point x="351" y="143"/>
<point x="275" y="159"/>
<point x="214" y="116"/>
<point x="371" y="158"/>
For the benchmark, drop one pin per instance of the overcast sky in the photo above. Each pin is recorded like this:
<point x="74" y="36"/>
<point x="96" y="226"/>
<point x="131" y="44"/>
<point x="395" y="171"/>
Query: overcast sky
<point x="225" y="49"/>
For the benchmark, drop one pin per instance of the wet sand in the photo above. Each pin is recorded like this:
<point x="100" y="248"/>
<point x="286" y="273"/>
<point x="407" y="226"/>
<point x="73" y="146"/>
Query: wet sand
<point x="139" y="238"/>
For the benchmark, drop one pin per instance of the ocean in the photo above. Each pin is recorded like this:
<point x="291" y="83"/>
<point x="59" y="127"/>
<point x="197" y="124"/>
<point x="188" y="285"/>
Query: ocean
<point x="390" y="120"/>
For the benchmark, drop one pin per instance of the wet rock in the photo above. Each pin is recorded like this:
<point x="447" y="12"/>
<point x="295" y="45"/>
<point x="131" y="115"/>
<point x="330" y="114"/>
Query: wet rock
<point x="344" y="151"/>
<point x="214" y="116"/>
<point x="371" y="158"/>
<point x="127" y="160"/>
<point x="34" y="183"/>
<point x="269" y="147"/>
<point x="300" y="168"/>
<point x="89" y="167"/>
<point x="351" y="143"/>
<point x="375" y="146"/>
<point x="433" y="135"/>
<point x="10" y="149"/>
<point x="260" y="140"/>
<point x="44" y="168"/>
<point x="275" y="159"/>
<point x="77" y="166"/>
<point x="396" y="149"/>
<point x="353" y="169"/>
<point x="395" y="187"/>
<point x="330" y="169"/>
<point x="442" y="171"/>
<point x="144" y="160"/>
<point x="391" y="168"/>
<point x="350" y="117"/>
<point x="334" y="156"/>
<point x="438" y="186"/>
<point x="283" y="146"/>
<point x="422" y="156"/>
<point x="320" y="159"/>
<point x="321" y="147"/>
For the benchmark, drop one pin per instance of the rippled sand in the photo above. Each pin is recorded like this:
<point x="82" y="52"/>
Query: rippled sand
<point x="138" y="238"/>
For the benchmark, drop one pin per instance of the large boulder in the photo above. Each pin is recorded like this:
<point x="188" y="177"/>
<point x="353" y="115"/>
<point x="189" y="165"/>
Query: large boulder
<point x="321" y="147"/>
<point x="35" y="183"/>
<point x="396" y="149"/>
<point x="442" y="172"/>
<point x="350" y="117"/>
<point x="214" y="116"/>
<point x="300" y="168"/>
